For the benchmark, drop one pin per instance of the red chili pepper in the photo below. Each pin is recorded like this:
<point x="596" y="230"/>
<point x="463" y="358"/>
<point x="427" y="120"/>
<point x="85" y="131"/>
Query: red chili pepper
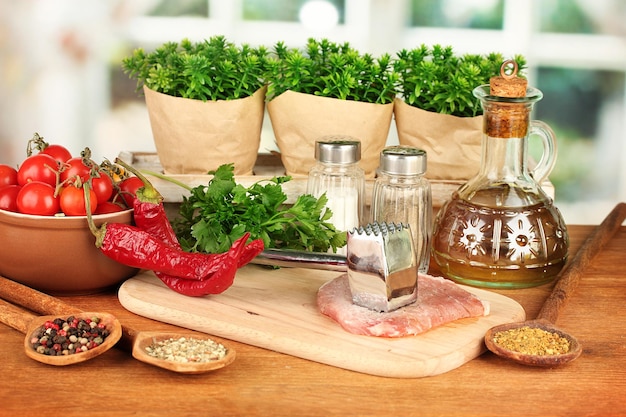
<point x="220" y="282"/>
<point x="148" y="210"/>
<point x="251" y="250"/>
<point x="137" y="248"/>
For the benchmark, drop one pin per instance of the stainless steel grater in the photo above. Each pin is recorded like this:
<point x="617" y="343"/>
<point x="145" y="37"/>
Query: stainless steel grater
<point x="382" y="267"/>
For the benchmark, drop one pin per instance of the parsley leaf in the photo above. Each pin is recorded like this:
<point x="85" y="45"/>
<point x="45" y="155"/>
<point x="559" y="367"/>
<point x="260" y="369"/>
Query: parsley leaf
<point x="217" y="214"/>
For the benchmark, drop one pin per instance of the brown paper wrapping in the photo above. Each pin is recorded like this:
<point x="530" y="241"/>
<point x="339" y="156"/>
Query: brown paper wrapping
<point x="300" y="119"/>
<point x="194" y="137"/>
<point x="453" y="144"/>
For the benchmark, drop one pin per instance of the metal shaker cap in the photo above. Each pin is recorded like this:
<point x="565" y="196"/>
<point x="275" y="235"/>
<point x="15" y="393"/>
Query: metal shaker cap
<point x="338" y="150"/>
<point x="403" y="160"/>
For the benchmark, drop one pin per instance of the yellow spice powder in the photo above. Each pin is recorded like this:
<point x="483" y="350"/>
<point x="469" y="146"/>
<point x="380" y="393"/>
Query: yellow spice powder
<point x="532" y="341"/>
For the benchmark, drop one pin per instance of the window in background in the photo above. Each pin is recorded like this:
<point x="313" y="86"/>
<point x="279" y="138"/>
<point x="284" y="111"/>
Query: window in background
<point x="286" y="10"/>
<point x="476" y="14"/>
<point x="582" y="107"/>
<point x="565" y="16"/>
<point x="174" y="8"/>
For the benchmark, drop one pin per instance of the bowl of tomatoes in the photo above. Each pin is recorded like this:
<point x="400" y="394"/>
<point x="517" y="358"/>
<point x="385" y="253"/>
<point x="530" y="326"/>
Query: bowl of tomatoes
<point x="57" y="254"/>
<point x="44" y="230"/>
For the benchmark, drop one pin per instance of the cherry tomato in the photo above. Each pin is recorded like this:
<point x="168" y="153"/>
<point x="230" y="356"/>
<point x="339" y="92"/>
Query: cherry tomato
<point x="39" y="167"/>
<point x="72" y="201"/>
<point x="37" y="198"/>
<point x="75" y="167"/>
<point x="8" y="197"/>
<point x="108" y="207"/>
<point x="103" y="187"/>
<point x="8" y="175"/>
<point x="128" y="189"/>
<point x="58" y="152"/>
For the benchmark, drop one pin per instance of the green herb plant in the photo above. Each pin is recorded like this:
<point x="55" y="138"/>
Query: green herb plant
<point x="435" y="79"/>
<point x="213" y="69"/>
<point x="217" y="214"/>
<point x="329" y="69"/>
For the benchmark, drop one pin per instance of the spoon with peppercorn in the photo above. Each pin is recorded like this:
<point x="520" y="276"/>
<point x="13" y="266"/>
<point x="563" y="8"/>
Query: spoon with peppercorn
<point x="180" y="351"/>
<point x="538" y="342"/>
<point x="59" y="341"/>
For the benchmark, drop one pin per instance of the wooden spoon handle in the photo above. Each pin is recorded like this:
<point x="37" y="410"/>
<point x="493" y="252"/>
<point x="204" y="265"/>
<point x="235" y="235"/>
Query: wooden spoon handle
<point x="32" y="299"/>
<point x="15" y="317"/>
<point x="45" y="304"/>
<point x="569" y="277"/>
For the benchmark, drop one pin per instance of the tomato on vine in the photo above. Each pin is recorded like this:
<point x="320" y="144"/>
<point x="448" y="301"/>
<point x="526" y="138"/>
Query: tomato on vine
<point x="108" y="207"/>
<point x="75" y="168"/>
<point x="8" y="175"/>
<point x="102" y="185"/>
<point x="58" y="152"/>
<point x="37" y="198"/>
<point x="40" y="168"/>
<point x="8" y="197"/>
<point x="72" y="200"/>
<point x="128" y="189"/>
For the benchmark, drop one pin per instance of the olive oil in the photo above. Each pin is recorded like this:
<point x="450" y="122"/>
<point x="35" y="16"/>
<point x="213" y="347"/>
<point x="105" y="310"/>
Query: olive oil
<point x="499" y="247"/>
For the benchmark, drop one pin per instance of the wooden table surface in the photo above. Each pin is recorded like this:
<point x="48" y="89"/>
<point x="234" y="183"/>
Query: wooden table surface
<point x="262" y="382"/>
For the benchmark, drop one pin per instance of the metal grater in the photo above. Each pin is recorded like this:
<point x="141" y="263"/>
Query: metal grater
<point x="382" y="267"/>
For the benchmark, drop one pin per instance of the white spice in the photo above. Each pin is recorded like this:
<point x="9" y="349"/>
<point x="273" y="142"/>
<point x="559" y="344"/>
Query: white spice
<point x="187" y="350"/>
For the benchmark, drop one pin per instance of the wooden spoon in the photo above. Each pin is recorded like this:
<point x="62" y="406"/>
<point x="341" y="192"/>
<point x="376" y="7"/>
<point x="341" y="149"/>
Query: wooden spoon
<point x="29" y="324"/>
<point x="567" y="281"/>
<point x="131" y="340"/>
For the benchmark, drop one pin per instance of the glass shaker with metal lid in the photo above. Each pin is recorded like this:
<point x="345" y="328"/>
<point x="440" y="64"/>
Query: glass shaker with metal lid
<point x="402" y="194"/>
<point x="337" y="174"/>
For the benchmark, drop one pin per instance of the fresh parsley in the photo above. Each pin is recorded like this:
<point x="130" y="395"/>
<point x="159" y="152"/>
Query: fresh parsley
<point x="217" y="214"/>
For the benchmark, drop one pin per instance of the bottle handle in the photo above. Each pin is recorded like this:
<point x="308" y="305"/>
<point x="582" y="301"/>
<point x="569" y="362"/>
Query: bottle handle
<point x="548" y="158"/>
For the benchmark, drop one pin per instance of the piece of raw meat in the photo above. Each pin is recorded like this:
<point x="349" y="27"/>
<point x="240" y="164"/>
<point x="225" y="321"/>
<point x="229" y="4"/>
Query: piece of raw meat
<point x="440" y="301"/>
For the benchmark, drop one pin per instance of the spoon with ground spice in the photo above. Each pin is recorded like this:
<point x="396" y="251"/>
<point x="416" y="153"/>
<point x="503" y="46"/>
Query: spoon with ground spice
<point x="538" y="342"/>
<point x="181" y="351"/>
<point x="63" y="340"/>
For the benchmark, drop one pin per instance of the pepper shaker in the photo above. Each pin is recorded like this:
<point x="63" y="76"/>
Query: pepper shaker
<point x="337" y="174"/>
<point x="402" y="194"/>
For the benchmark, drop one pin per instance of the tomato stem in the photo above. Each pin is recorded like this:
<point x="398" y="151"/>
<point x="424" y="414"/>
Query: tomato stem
<point x="166" y="178"/>
<point x="98" y="232"/>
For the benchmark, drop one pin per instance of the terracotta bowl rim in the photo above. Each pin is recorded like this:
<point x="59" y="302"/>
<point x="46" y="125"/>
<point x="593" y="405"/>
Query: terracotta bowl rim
<point x="58" y="220"/>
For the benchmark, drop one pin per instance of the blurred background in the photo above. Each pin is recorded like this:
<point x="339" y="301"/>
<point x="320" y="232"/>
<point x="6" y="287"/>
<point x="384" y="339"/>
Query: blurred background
<point x="60" y="68"/>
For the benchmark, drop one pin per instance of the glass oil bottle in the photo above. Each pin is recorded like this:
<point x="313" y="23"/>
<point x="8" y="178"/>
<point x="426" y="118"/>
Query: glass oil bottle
<point x="500" y="229"/>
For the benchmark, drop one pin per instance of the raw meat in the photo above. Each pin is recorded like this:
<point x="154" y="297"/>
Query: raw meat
<point x="439" y="301"/>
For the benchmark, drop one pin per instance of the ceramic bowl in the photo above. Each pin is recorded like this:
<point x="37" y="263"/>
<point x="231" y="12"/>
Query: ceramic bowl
<point x="58" y="255"/>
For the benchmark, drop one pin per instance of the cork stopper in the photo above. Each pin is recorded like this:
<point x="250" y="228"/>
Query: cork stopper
<point x="508" y="84"/>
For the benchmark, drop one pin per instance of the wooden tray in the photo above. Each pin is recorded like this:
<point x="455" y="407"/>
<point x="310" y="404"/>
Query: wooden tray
<point x="269" y="165"/>
<point x="276" y="310"/>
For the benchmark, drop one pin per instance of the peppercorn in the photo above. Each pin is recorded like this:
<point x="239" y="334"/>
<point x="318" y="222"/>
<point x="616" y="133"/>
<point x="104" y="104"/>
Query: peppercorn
<point x="64" y="337"/>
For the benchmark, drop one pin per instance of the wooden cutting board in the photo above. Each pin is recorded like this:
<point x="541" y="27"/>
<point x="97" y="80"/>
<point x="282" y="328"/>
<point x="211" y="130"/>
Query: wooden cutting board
<point x="276" y="310"/>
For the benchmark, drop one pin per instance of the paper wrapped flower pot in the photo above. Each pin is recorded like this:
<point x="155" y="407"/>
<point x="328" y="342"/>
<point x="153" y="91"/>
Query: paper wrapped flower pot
<point x="453" y="144"/>
<point x="194" y="137"/>
<point x="299" y="119"/>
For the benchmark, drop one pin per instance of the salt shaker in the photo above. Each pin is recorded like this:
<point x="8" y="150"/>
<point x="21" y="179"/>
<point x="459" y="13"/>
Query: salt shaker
<point x="337" y="174"/>
<point x="402" y="194"/>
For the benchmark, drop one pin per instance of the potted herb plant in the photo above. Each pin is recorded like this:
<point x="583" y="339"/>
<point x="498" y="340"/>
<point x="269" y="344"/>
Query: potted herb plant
<point x="436" y="110"/>
<point x="329" y="89"/>
<point x="206" y="102"/>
